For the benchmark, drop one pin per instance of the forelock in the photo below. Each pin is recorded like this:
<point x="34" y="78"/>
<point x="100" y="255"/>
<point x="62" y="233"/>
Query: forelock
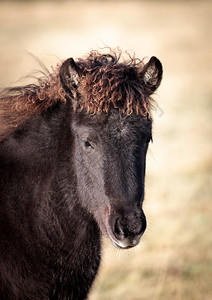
<point x="107" y="82"/>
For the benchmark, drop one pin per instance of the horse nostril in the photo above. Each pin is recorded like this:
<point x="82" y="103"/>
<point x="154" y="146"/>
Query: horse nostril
<point x="118" y="231"/>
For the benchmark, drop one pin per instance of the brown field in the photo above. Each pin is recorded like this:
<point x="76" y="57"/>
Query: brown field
<point x="174" y="259"/>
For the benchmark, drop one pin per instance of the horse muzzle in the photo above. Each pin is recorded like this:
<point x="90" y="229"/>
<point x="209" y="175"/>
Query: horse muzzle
<point x="126" y="231"/>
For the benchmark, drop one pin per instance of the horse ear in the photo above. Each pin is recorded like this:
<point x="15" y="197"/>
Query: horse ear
<point x="70" y="75"/>
<point x="151" y="75"/>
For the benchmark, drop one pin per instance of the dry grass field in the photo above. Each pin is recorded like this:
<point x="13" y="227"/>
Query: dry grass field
<point x="174" y="259"/>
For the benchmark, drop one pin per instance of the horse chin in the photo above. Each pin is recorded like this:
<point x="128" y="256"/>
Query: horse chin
<point x="119" y="245"/>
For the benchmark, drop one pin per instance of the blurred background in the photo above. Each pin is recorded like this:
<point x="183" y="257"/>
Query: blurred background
<point x="174" y="259"/>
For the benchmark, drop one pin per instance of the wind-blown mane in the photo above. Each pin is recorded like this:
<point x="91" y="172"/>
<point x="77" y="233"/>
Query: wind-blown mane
<point x="18" y="104"/>
<point x="105" y="82"/>
<point x="108" y="82"/>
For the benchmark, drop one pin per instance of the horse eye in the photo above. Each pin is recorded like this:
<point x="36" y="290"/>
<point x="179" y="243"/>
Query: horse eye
<point x="87" y="145"/>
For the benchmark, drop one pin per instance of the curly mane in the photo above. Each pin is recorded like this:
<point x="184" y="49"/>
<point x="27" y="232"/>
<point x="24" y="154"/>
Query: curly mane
<point x="18" y="104"/>
<point x="107" y="82"/>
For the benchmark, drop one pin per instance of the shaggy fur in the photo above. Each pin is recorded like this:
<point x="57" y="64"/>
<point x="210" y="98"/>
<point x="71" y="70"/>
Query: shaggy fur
<point x="72" y="166"/>
<point x="105" y="82"/>
<point x="19" y="104"/>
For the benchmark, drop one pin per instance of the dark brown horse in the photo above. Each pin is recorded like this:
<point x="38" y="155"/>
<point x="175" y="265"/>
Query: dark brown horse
<point x="72" y="166"/>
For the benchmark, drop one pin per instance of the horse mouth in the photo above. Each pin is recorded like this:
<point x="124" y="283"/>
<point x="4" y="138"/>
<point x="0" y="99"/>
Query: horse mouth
<point x="124" y="245"/>
<point x="120" y="246"/>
